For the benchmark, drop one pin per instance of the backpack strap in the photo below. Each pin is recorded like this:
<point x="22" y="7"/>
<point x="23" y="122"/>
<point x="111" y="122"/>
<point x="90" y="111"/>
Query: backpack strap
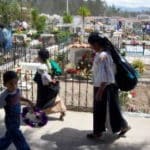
<point x="49" y="66"/>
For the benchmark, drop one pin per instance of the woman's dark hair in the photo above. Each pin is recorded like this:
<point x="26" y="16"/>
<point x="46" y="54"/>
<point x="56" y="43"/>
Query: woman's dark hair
<point x="8" y="76"/>
<point x="43" y="54"/>
<point x="95" y="37"/>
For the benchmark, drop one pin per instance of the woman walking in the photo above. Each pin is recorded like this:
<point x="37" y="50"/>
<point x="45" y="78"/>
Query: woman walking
<point x="105" y="89"/>
<point x="47" y="98"/>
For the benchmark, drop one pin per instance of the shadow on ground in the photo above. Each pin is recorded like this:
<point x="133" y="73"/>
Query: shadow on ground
<point x="72" y="139"/>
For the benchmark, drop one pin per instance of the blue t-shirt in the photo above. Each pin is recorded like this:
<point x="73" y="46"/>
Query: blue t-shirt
<point x="10" y="101"/>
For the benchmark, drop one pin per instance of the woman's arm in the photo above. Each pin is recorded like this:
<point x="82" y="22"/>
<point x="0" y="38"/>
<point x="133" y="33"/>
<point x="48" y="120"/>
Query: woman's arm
<point x="26" y="100"/>
<point x="105" y="73"/>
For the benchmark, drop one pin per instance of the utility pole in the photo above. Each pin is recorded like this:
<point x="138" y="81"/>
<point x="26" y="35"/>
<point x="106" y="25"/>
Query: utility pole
<point x="67" y="6"/>
<point x="21" y="11"/>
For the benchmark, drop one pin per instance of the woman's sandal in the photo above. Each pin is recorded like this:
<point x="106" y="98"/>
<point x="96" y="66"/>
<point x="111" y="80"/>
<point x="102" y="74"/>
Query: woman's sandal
<point x="124" y="131"/>
<point x="62" y="115"/>
<point x="94" y="136"/>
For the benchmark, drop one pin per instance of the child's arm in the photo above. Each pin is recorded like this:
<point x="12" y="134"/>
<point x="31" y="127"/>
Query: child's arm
<point x="2" y="104"/>
<point x="3" y="96"/>
<point x="28" y="101"/>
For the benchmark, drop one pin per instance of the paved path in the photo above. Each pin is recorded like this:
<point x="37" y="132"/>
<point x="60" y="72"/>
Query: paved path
<point x="71" y="134"/>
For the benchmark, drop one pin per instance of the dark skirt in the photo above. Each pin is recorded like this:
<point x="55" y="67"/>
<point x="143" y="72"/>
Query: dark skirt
<point x="46" y="95"/>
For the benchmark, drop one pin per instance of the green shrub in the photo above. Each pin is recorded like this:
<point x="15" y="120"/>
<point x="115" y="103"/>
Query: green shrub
<point x="67" y="18"/>
<point x="123" y="98"/>
<point x="38" y="22"/>
<point x="35" y="35"/>
<point x="123" y="52"/>
<point x="62" y="36"/>
<point x="138" y="65"/>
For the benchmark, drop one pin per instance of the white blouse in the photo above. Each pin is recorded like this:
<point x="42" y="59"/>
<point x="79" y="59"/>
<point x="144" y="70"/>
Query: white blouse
<point x="103" y="69"/>
<point x="45" y="76"/>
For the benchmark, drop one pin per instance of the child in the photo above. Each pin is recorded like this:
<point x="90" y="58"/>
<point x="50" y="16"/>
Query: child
<point x="10" y="99"/>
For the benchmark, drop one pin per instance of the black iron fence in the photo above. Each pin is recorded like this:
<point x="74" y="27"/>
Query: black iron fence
<point x="76" y="89"/>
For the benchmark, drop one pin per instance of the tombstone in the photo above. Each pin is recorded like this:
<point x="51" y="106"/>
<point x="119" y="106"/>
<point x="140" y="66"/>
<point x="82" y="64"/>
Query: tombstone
<point x="47" y="39"/>
<point x="75" y="54"/>
<point x="19" y="39"/>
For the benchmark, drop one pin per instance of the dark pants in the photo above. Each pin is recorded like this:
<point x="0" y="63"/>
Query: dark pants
<point x="117" y="121"/>
<point x="13" y="135"/>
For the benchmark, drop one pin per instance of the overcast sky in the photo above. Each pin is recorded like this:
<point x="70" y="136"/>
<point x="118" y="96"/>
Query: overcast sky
<point x="129" y="3"/>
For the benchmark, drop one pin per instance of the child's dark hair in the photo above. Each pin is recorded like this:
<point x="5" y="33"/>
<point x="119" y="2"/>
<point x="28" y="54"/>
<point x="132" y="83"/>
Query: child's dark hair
<point x="95" y="37"/>
<point x="2" y="25"/>
<point x="9" y="75"/>
<point x="43" y="54"/>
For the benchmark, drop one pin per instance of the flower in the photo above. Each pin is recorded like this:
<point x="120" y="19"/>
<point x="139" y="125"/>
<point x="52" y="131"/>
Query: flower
<point x="134" y="42"/>
<point x="81" y="62"/>
<point x="133" y="93"/>
<point x="72" y="71"/>
<point x="129" y="96"/>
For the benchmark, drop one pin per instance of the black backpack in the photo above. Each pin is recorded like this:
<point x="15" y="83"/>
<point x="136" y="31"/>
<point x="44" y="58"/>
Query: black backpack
<point x="126" y="75"/>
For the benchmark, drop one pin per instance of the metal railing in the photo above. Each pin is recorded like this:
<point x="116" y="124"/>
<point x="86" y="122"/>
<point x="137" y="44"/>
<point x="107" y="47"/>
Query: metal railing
<point x="76" y="90"/>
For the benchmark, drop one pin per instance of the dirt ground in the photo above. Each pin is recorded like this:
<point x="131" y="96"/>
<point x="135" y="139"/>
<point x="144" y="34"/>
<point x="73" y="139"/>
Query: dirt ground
<point x="141" y="101"/>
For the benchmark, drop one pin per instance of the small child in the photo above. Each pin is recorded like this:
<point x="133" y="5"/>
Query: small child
<point x="10" y="99"/>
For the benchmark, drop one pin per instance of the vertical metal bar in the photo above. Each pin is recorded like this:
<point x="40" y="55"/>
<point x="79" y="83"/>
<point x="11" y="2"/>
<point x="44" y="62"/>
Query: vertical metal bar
<point x="79" y="100"/>
<point x="143" y="48"/>
<point x="14" y="55"/>
<point x="86" y="100"/>
<point x="32" y="85"/>
<point x="72" y="98"/>
<point x="65" y="98"/>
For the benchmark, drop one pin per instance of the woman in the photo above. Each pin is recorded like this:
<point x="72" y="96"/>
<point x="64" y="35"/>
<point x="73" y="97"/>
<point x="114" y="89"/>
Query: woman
<point x="105" y="89"/>
<point x="46" y="96"/>
<point x="5" y="38"/>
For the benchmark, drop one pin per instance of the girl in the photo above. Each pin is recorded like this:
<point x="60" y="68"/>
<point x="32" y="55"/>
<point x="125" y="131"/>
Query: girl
<point x="105" y="89"/>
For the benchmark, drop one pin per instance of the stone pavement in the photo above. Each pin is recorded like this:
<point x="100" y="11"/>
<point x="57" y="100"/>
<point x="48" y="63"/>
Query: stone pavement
<point x="71" y="134"/>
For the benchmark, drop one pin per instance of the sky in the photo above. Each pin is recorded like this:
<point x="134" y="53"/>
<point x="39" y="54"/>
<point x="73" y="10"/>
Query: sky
<point x="129" y="3"/>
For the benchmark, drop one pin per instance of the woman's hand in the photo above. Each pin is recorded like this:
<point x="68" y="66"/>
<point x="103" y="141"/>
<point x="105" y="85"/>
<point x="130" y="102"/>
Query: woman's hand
<point x="100" y="92"/>
<point x="99" y="95"/>
<point x="53" y="81"/>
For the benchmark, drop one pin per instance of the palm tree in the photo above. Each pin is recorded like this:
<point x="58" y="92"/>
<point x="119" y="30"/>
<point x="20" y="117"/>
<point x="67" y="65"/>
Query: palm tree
<point x="84" y="11"/>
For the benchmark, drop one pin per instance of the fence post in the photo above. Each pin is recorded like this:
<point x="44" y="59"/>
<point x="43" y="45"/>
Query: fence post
<point x="143" y="48"/>
<point x="14" y="51"/>
<point x="25" y="53"/>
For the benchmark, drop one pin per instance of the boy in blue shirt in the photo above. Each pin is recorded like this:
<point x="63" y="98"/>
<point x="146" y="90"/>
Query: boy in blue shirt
<point x="10" y="99"/>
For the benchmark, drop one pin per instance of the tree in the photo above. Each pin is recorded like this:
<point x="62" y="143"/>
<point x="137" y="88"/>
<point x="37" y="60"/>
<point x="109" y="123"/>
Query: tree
<point x="3" y="12"/>
<point x="112" y="11"/>
<point x="9" y="10"/>
<point x="14" y="10"/>
<point x="34" y="17"/>
<point x="84" y="12"/>
<point x="40" y="23"/>
<point x="97" y="7"/>
<point x="67" y="18"/>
